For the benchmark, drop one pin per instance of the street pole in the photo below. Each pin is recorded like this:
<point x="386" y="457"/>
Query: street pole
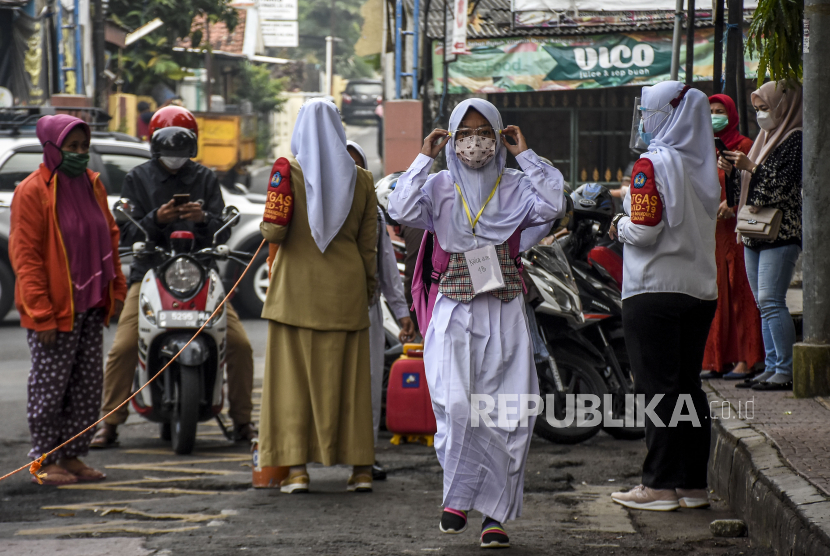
<point x="675" y="41"/>
<point x="98" y="39"/>
<point x="717" y="67"/>
<point x="329" y="63"/>
<point x="812" y="356"/>
<point x="208" y="64"/>
<point x="690" y="43"/>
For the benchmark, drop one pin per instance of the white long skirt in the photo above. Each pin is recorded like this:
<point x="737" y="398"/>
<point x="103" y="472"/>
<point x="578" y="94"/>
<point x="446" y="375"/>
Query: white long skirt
<point x="482" y="347"/>
<point x="377" y="350"/>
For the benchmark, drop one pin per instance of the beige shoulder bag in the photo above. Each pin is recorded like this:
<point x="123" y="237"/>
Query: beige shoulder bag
<point x="763" y="224"/>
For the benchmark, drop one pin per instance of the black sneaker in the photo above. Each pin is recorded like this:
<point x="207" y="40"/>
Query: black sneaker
<point x="493" y="535"/>
<point x="378" y="472"/>
<point x="453" y="521"/>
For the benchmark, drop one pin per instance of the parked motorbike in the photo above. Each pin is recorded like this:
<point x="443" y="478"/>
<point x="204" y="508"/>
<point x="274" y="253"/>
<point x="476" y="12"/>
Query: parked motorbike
<point x="564" y="363"/>
<point x="587" y="248"/>
<point x="177" y="297"/>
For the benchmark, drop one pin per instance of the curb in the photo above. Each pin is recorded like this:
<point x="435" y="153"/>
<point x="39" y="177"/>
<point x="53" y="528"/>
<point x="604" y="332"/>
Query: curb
<point x="782" y="510"/>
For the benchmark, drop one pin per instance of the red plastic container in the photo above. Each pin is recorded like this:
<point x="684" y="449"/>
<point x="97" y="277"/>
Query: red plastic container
<point x="408" y="407"/>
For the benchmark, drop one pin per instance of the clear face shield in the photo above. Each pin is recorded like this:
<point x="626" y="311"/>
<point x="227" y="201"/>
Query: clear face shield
<point x="636" y="143"/>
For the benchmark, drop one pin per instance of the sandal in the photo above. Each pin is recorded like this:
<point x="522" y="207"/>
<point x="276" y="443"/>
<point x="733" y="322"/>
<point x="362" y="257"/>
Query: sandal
<point x="55" y="476"/>
<point x="82" y="472"/>
<point x="105" y="437"/>
<point x="244" y="433"/>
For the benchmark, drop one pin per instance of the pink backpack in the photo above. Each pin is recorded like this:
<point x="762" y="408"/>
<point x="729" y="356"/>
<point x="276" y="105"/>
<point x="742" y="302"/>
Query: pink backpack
<point x="431" y="263"/>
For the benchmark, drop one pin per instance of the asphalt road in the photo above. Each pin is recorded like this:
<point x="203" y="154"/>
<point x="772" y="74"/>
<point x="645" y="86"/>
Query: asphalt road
<point x="154" y="502"/>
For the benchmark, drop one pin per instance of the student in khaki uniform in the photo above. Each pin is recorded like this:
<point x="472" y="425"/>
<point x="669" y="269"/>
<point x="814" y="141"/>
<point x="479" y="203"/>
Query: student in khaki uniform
<point x="316" y="399"/>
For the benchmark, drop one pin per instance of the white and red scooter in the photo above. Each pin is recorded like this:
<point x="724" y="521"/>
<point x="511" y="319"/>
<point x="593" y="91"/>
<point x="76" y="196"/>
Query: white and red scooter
<point x="177" y="296"/>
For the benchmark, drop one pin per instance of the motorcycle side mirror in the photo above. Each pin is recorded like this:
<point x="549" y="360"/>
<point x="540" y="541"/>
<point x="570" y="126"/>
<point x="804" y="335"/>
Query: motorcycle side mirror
<point x="230" y="217"/>
<point x="122" y="212"/>
<point x="230" y="214"/>
<point x="121" y="208"/>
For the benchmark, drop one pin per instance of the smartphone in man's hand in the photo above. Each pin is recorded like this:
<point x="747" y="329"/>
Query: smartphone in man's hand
<point x="180" y="199"/>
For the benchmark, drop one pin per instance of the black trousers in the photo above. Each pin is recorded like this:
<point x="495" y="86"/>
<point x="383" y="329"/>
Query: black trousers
<point x="665" y="334"/>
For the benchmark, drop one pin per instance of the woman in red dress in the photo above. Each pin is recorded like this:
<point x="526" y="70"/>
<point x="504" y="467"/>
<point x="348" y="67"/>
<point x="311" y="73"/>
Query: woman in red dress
<point x="735" y="336"/>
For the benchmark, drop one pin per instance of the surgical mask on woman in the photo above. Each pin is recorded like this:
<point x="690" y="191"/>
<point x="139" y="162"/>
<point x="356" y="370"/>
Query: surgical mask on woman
<point x="765" y="120"/>
<point x="475" y="151"/>
<point x="719" y="121"/>
<point x="173" y="162"/>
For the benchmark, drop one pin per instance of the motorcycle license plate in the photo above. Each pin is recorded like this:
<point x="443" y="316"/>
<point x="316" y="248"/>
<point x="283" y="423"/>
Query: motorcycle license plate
<point x="181" y="319"/>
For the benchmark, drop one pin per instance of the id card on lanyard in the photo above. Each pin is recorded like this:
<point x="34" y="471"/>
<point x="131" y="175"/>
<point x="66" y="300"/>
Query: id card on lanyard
<point x="482" y="263"/>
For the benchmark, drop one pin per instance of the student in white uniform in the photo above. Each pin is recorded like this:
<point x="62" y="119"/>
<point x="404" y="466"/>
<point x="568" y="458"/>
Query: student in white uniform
<point x="391" y="286"/>
<point x="478" y="340"/>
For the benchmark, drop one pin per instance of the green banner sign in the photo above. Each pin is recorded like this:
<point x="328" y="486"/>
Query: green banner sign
<point x="574" y="62"/>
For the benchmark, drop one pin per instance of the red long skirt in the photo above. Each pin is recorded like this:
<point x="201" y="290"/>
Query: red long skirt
<point x="736" y="329"/>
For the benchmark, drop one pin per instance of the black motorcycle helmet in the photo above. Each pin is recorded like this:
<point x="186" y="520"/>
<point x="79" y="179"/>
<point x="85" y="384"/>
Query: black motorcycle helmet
<point x="593" y="201"/>
<point x="174" y="141"/>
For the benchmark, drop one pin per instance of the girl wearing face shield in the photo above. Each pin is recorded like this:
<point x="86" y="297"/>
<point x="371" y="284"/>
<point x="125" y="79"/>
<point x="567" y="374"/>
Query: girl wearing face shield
<point x="670" y="290"/>
<point x="477" y="344"/>
<point x="771" y="178"/>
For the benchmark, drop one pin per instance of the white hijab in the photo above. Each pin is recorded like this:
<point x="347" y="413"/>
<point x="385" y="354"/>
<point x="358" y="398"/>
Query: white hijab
<point x="319" y="145"/>
<point x="681" y="145"/>
<point x="362" y="154"/>
<point x="506" y="210"/>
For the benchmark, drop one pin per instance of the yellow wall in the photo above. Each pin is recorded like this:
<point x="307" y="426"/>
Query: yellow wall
<point x="122" y="104"/>
<point x="371" y="35"/>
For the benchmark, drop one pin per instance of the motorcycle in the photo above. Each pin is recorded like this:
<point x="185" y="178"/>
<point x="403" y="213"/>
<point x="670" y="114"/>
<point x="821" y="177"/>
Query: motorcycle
<point x="564" y="363"/>
<point x="178" y="295"/>
<point x="601" y="297"/>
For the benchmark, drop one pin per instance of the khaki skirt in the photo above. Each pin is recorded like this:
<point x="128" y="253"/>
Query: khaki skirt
<point x="316" y="398"/>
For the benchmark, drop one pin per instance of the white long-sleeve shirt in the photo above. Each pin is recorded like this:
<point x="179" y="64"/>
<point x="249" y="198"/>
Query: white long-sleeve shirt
<point x="532" y="197"/>
<point x="664" y="259"/>
<point x="389" y="279"/>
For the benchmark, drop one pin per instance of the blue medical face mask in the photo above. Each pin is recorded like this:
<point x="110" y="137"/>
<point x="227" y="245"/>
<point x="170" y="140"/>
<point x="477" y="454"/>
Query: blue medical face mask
<point x="646" y="136"/>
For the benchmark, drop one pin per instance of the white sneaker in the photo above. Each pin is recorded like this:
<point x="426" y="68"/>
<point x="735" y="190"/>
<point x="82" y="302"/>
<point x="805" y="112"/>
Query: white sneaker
<point x="692" y="498"/>
<point x="645" y="498"/>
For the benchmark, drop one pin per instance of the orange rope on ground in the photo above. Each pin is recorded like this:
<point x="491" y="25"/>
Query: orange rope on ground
<point x="34" y="467"/>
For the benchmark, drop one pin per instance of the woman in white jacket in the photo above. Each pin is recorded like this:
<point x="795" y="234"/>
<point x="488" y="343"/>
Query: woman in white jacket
<point x="670" y="291"/>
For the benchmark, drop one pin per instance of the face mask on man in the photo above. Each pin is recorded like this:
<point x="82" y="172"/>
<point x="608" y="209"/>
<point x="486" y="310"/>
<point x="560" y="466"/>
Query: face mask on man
<point x="73" y="164"/>
<point x="765" y="120"/>
<point x="173" y="162"/>
<point x="475" y="151"/>
<point x="719" y="122"/>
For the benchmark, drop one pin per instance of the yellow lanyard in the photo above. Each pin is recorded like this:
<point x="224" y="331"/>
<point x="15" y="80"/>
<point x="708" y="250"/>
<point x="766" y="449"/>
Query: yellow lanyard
<point x="467" y="208"/>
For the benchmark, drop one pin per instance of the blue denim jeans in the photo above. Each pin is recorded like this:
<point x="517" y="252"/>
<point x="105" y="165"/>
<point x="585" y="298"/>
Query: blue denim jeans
<point x="770" y="272"/>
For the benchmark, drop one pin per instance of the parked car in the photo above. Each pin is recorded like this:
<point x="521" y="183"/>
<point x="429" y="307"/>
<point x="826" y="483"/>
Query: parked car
<point x="360" y="99"/>
<point x="113" y="155"/>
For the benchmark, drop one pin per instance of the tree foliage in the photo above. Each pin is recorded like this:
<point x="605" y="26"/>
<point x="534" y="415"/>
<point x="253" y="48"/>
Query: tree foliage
<point x="152" y="59"/>
<point x="259" y="88"/>
<point x="776" y="34"/>
<point x="315" y="18"/>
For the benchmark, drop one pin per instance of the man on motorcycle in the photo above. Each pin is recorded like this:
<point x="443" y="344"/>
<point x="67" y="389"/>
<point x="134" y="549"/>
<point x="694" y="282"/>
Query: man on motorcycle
<point x="150" y="188"/>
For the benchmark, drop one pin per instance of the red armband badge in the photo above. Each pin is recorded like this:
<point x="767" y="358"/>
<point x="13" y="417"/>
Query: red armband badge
<point x="646" y="204"/>
<point x="279" y="205"/>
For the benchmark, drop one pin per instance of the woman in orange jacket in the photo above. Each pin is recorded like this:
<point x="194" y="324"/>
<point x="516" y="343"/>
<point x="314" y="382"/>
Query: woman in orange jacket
<point x="64" y="250"/>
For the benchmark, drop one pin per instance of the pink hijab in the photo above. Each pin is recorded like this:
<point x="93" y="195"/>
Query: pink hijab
<point x="82" y="224"/>
<point x="785" y="102"/>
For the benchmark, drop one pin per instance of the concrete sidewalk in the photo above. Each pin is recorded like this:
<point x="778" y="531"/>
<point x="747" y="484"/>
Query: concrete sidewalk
<point x="771" y="461"/>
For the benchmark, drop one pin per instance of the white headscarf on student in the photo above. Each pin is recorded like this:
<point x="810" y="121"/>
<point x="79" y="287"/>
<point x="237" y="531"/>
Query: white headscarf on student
<point x="505" y="211"/>
<point x="359" y="150"/>
<point x="681" y="145"/>
<point x="319" y="144"/>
